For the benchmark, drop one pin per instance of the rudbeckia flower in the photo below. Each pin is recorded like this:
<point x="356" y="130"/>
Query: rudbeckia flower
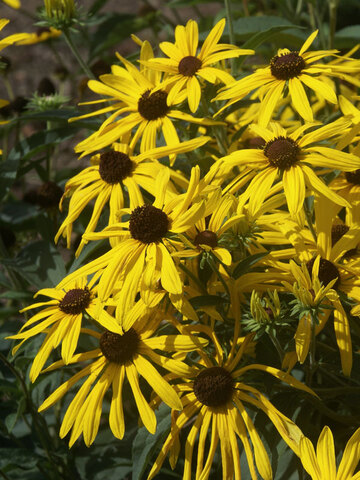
<point x="61" y="320"/>
<point x="12" y="3"/>
<point x="11" y="39"/>
<point x="184" y="64"/>
<point x="122" y="353"/>
<point x="141" y="97"/>
<point x="41" y="35"/>
<point x="344" y="276"/>
<point x="321" y="464"/>
<point x="105" y="181"/>
<point x="287" y="155"/>
<point x="146" y="244"/>
<point x="213" y="400"/>
<point x="291" y="68"/>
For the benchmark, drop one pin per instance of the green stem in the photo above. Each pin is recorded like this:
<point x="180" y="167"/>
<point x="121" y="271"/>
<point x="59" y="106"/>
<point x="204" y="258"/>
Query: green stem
<point x="231" y="30"/>
<point x="332" y="21"/>
<point x="8" y="87"/>
<point x="77" y="55"/>
<point x="312" y="351"/>
<point x="276" y="344"/>
<point x="193" y="278"/>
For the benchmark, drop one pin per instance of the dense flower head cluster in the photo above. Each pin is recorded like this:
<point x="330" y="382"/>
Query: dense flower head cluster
<point x="226" y="236"/>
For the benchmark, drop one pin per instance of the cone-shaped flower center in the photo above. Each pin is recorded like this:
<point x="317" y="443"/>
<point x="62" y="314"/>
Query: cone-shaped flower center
<point x="115" y="167"/>
<point x="48" y="195"/>
<point x="119" y="348"/>
<point x="353" y="177"/>
<point x="206" y="237"/>
<point x="189" y="65"/>
<point x="327" y="271"/>
<point x="213" y="386"/>
<point x="282" y="152"/>
<point x="287" y="65"/>
<point x="153" y="105"/>
<point x="148" y="224"/>
<point x="75" y="301"/>
<point x="337" y="231"/>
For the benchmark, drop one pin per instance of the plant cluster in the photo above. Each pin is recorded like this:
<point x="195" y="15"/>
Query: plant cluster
<point x="197" y="313"/>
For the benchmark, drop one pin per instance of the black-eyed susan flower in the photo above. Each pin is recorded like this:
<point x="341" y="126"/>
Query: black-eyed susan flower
<point x="184" y="64"/>
<point x="11" y="39"/>
<point x="287" y="68"/>
<point x="146" y="244"/>
<point x="61" y="320"/>
<point x="213" y="401"/>
<point x="12" y="3"/>
<point x="113" y="174"/>
<point x="128" y="354"/>
<point x="321" y="464"/>
<point x="285" y="157"/>
<point x="41" y="35"/>
<point x="140" y="96"/>
<point x="344" y="276"/>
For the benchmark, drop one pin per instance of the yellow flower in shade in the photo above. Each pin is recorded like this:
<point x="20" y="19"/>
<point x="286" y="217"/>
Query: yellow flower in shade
<point x="61" y="320"/>
<point x="41" y="35"/>
<point x="184" y="64"/>
<point x="287" y="68"/>
<point x="140" y="96"/>
<point x="331" y="248"/>
<point x="146" y="245"/>
<point x="321" y="465"/>
<point x="311" y="293"/>
<point x="206" y="233"/>
<point x="12" y="3"/>
<point x="60" y="9"/>
<point x="213" y="401"/>
<point x="288" y="155"/>
<point x="106" y="180"/>
<point x="122" y="353"/>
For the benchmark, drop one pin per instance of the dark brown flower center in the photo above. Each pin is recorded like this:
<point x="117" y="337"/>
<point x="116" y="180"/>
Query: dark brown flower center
<point x="153" y="105"/>
<point x="337" y="231"/>
<point x="75" y="301"/>
<point x="353" y="177"/>
<point x="148" y="224"/>
<point x="213" y="386"/>
<point x="115" y="167"/>
<point x="287" y="65"/>
<point x="282" y="152"/>
<point x="119" y="348"/>
<point x="189" y="65"/>
<point x="48" y="195"/>
<point x="207" y="237"/>
<point x="254" y="142"/>
<point x="327" y="271"/>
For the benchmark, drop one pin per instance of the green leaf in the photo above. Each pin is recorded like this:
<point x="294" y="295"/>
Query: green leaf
<point x="39" y="263"/>
<point x="245" y="265"/>
<point x="347" y="37"/>
<point x="145" y="444"/>
<point x="206" y="301"/>
<point x="17" y="458"/>
<point x="12" y="418"/>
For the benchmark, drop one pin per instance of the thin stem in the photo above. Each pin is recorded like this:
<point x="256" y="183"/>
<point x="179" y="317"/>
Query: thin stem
<point x="312" y="351"/>
<point x="276" y="344"/>
<point x="8" y="87"/>
<point x="332" y="21"/>
<point x="231" y="30"/>
<point x="77" y="55"/>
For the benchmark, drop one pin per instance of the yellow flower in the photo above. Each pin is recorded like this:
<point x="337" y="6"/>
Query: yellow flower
<point x="60" y="9"/>
<point x="61" y="321"/>
<point x="146" y="244"/>
<point x="184" y="64"/>
<point x="11" y="39"/>
<point x="122" y="353"/>
<point x="288" y="155"/>
<point x="294" y="69"/>
<point x="141" y="96"/>
<point x="13" y="3"/>
<point x="321" y="465"/>
<point x="106" y="178"/>
<point x="41" y="35"/>
<point x="213" y="401"/>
